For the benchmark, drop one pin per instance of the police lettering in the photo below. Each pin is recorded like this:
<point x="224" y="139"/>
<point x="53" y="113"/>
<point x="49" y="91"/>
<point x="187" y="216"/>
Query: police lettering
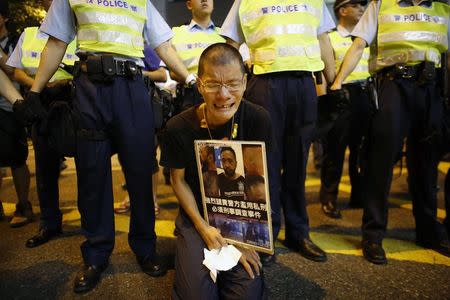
<point x="112" y="3"/>
<point x="417" y="17"/>
<point x="285" y="8"/>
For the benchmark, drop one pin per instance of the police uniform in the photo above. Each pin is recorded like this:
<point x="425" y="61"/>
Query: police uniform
<point x="118" y="106"/>
<point x="284" y="52"/>
<point x="190" y="41"/>
<point x="349" y="127"/>
<point x="26" y="56"/>
<point x="404" y="36"/>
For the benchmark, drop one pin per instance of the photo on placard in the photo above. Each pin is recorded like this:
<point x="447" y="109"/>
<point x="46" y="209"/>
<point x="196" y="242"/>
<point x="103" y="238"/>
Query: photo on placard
<point x="235" y="191"/>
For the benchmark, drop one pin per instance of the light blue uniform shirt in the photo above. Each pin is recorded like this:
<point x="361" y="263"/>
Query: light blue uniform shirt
<point x="60" y="23"/>
<point x="232" y="29"/>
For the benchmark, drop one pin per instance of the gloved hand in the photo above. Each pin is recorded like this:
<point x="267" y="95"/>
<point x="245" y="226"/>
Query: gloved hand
<point x="29" y="110"/>
<point x="339" y="98"/>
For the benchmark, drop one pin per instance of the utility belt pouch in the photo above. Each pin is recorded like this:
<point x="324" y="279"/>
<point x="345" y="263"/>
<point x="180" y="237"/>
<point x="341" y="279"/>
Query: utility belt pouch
<point x="131" y="69"/>
<point x="427" y="74"/>
<point x="96" y="67"/>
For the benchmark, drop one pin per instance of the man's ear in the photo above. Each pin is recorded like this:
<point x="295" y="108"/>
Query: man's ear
<point x="189" y="4"/>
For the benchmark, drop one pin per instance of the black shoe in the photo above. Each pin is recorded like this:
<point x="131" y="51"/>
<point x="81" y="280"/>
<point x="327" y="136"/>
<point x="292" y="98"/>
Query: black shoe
<point x="151" y="267"/>
<point x="308" y="250"/>
<point x="442" y="246"/>
<point x="331" y="211"/>
<point x="43" y="236"/>
<point x="374" y="253"/>
<point x="267" y="259"/>
<point x="88" y="278"/>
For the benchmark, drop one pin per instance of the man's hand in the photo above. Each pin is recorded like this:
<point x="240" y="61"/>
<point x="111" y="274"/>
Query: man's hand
<point x="249" y="259"/>
<point x="29" y="110"/>
<point x="212" y="237"/>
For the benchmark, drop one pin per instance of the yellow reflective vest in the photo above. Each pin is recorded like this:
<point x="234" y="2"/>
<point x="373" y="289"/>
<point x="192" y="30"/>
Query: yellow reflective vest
<point x="111" y="26"/>
<point x="410" y="34"/>
<point x="190" y="45"/>
<point x="282" y="35"/>
<point x="340" y="46"/>
<point x="32" y="47"/>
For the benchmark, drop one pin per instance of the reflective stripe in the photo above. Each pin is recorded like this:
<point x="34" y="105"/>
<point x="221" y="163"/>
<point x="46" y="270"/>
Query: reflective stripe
<point x="106" y="18"/>
<point x="109" y="36"/>
<point x="361" y="68"/>
<point x="415" y="17"/>
<point x="191" y="46"/>
<point x="302" y="8"/>
<point x="286" y="51"/>
<point x="117" y="4"/>
<point x="280" y="30"/>
<point x="31" y="54"/>
<point x="390" y="58"/>
<point x="423" y="36"/>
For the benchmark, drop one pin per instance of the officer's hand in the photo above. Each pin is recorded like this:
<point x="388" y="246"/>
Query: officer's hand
<point x="335" y="86"/>
<point x="29" y="110"/>
<point x="250" y="261"/>
<point x="212" y="237"/>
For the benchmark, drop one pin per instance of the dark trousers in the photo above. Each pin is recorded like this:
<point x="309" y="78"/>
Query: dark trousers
<point x="123" y="109"/>
<point x="347" y="131"/>
<point x="411" y="111"/>
<point x="47" y="162"/>
<point x="192" y="279"/>
<point x="290" y="99"/>
<point x="447" y="202"/>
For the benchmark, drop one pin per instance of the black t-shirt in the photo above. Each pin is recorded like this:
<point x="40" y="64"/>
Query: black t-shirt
<point x="231" y="188"/>
<point x="177" y="146"/>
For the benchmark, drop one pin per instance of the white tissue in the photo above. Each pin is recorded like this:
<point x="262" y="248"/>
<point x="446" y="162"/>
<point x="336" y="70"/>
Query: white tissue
<point x="222" y="259"/>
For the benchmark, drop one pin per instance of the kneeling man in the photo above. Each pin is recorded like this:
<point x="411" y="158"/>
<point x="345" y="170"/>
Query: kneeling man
<point x="224" y="115"/>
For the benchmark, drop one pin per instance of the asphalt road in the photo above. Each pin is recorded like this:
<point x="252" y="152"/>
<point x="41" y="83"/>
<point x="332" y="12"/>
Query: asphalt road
<point x="47" y="272"/>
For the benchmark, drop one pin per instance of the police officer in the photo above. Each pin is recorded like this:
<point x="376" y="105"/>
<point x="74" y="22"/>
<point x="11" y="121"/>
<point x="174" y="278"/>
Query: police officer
<point x="408" y="38"/>
<point x="115" y="115"/>
<point x="349" y="126"/>
<point x="286" y="41"/>
<point x="190" y="41"/>
<point x="25" y="59"/>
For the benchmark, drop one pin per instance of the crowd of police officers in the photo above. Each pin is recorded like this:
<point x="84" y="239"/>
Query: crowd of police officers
<point x="381" y="76"/>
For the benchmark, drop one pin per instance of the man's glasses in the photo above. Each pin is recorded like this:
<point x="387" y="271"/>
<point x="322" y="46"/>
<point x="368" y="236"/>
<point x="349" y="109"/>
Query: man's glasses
<point x="214" y="87"/>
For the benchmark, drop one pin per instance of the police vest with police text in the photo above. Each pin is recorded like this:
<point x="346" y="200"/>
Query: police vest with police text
<point x="190" y="45"/>
<point x="410" y="34"/>
<point x="282" y="36"/>
<point x="111" y="26"/>
<point x="32" y="47"/>
<point x="340" y="46"/>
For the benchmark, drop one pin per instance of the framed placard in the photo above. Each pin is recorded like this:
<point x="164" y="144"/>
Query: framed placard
<point x="235" y="191"/>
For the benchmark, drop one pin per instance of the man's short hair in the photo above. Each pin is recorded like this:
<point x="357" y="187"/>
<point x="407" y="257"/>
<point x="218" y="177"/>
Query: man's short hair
<point x="220" y="54"/>
<point x="228" y="149"/>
